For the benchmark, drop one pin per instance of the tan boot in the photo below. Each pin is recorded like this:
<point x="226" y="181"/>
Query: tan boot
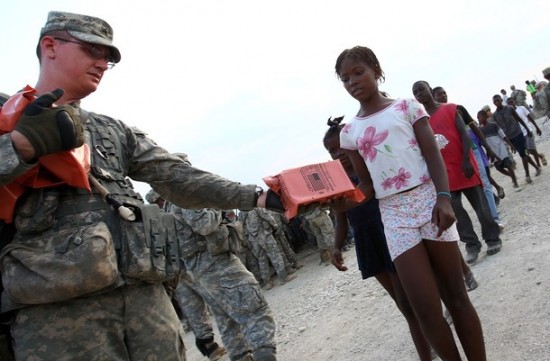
<point x="289" y="278"/>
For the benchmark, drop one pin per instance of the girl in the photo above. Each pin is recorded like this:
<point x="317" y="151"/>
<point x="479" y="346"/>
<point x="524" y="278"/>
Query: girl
<point x="372" y="252"/>
<point x="396" y="158"/>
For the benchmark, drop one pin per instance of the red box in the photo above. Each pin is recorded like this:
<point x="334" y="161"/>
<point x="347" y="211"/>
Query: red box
<point x="314" y="183"/>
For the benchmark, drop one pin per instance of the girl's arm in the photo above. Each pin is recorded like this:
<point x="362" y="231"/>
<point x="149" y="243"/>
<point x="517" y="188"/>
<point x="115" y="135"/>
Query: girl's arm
<point x="539" y="132"/>
<point x="341" y="231"/>
<point x="365" y="181"/>
<point x="467" y="166"/>
<point x="442" y="215"/>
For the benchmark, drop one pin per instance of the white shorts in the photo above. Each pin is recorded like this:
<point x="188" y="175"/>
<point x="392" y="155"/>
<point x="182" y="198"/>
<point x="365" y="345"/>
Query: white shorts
<point x="407" y="219"/>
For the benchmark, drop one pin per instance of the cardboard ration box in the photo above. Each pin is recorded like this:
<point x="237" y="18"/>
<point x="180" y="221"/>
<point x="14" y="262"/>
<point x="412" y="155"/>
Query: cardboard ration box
<point x="312" y="183"/>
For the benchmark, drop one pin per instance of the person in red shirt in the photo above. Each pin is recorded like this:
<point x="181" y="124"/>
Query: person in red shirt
<point x="462" y="172"/>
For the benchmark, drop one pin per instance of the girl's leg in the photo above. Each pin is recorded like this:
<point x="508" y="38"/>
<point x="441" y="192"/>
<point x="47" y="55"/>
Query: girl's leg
<point x="446" y="264"/>
<point x="391" y="283"/>
<point x="494" y="183"/>
<point x="469" y="279"/>
<point x="536" y="156"/>
<point x="420" y="285"/>
<point x="512" y="175"/>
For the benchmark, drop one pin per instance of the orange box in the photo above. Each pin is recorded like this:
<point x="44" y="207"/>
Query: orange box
<point x="315" y="183"/>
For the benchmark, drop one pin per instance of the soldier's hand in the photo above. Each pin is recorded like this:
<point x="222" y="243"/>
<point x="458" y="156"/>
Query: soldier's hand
<point x="273" y="201"/>
<point x="50" y="129"/>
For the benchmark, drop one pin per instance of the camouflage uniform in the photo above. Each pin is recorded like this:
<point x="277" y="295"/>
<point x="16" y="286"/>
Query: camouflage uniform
<point x="259" y="227"/>
<point x="520" y="97"/>
<point x="227" y="286"/>
<point x="322" y="227"/>
<point x="280" y="236"/>
<point x="245" y="253"/>
<point x="130" y="319"/>
<point x="191" y="302"/>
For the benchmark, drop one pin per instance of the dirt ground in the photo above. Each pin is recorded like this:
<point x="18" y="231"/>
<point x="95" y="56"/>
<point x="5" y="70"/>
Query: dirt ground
<point x="325" y="314"/>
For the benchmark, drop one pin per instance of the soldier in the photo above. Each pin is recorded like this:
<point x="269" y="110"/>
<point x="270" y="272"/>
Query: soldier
<point x="247" y="257"/>
<point x="207" y="248"/>
<point x="519" y="96"/>
<point x="541" y="101"/>
<point x="322" y="227"/>
<point x="259" y="226"/>
<point x="545" y="92"/>
<point x="105" y="298"/>
<point x="280" y="237"/>
<point x="191" y="306"/>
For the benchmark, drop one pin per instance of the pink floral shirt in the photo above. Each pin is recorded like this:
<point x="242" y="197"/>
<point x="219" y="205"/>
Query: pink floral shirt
<point x="387" y="143"/>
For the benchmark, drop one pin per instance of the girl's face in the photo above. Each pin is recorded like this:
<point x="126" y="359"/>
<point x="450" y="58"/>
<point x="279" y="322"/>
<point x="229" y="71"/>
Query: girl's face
<point x="359" y="79"/>
<point x="332" y="144"/>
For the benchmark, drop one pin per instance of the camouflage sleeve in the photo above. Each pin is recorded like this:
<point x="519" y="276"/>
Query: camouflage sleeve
<point x="11" y="166"/>
<point x="204" y="221"/>
<point x="253" y="222"/>
<point x="264" y="214"/>
<point x="181" y="184"/>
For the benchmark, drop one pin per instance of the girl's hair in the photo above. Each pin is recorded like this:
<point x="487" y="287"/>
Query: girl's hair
<point x="334" y="127"/>
<point x="361" y="54"/>
<point x="436" y="89"/>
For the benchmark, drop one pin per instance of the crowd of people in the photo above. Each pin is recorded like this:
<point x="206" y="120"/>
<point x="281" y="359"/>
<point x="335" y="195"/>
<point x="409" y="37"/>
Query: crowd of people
<point x="90" y="271"/>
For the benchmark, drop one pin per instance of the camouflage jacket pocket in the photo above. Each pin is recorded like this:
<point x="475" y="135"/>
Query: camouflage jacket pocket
<point x="59" y="265"/>
<point x="149" y="247"/>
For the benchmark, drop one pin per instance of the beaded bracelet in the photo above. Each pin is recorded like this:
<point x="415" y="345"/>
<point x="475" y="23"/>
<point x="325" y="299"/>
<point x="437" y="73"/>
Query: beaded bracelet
<point x="446" y="194"/>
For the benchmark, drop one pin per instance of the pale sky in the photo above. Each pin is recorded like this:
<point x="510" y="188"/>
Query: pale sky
<point x="245" y="87"/>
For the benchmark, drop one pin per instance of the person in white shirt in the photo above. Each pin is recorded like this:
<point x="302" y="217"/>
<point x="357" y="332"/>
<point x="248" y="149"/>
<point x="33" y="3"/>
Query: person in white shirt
<point x="530" y="145"/>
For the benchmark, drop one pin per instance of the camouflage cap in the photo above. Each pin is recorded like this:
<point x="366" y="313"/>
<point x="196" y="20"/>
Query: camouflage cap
<point x="152" y="196"/>
<point x="86" y="28"/>
<point x="546" y="71"/>
<point x="486" y="108"/>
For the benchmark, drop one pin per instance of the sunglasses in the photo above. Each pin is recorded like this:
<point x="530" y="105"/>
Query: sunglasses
<point x="96" y="51"/>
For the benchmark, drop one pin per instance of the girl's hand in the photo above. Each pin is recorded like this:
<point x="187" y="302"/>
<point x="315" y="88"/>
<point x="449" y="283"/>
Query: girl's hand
<point x="338" y="260"/>
<point x="467" y="168"/>
<point x="442" y="215"/>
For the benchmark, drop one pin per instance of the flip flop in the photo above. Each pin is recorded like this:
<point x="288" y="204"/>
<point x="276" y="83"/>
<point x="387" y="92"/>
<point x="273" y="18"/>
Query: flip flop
<point x="501" y="194"/>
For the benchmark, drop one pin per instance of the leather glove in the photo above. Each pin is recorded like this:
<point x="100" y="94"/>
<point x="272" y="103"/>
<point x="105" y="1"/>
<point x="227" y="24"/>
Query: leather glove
<point x="49" y="129"/>
<point x="273" y="202"/>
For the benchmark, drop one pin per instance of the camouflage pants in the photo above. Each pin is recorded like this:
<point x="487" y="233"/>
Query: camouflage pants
<point x="194" y="308"/>
<point x="268" y="250"/>
<point x="195" y="301"/>
<point x="130" y="323"/>
<point x="226" y="283"/>
<point x="323" y="230"/>
<point x="287" y="250"/>
<point x="250" y="261"/>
